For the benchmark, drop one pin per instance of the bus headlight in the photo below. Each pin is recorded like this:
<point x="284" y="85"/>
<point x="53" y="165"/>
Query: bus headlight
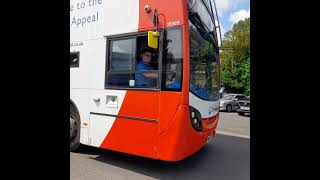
<point x="195" y="118"/>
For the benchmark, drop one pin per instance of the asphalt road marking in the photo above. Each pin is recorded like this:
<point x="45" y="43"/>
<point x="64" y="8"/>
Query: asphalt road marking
<point x="232" y="134"/>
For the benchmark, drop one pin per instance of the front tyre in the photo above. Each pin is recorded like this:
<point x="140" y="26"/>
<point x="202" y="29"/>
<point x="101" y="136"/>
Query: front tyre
<point x="229" y="108"/>
<point x="74" y="129"/>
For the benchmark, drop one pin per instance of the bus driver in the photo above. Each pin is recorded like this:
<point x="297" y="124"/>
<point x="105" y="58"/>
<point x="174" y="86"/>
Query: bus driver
<point x="142" y="76"/>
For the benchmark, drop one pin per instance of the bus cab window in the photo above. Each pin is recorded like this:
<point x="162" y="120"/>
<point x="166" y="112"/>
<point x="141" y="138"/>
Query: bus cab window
<point x="146" y="71"/>
<point x="131" y="64"/>
<point x="172" y="60"/>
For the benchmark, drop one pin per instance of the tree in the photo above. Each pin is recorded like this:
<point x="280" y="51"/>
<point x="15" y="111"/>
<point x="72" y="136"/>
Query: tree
<point x="235" y="60"/>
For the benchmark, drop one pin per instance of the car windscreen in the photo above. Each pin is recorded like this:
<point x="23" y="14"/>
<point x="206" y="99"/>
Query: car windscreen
<point x="227" y="97"/>
<point x="245" y="99"/>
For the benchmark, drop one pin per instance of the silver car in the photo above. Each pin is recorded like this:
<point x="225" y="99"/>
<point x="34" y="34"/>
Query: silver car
<point x="228" y="102"/>
<point x="244" y="106"/>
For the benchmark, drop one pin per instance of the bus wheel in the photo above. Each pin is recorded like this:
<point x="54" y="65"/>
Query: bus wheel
<point x="229" y="108"/>
<point x="74" y="129"/>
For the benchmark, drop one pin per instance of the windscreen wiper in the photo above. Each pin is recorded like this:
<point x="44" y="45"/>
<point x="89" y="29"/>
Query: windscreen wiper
<point x="210" y="11"/>
<point x="201" y="27"/>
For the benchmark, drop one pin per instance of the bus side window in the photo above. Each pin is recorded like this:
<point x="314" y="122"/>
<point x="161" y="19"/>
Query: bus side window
<point x="74" y="59"/>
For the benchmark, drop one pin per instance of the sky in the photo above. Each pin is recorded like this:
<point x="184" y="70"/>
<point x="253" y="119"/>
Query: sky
<point x="232" y="11"/>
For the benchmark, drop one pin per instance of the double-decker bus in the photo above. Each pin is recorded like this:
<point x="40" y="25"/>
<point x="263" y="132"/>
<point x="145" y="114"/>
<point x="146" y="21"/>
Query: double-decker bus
<point x="170" y="118"/>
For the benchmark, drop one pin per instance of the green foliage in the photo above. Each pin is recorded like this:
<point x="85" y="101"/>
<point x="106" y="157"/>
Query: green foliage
<point x="235" y="60"/>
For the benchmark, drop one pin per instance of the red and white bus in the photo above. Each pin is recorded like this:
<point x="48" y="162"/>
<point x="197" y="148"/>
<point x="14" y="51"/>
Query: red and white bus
<point x="168" y="120"/>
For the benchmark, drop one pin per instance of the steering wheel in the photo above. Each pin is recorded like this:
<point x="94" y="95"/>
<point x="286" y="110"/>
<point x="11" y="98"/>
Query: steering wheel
<point x="171" y="76"/>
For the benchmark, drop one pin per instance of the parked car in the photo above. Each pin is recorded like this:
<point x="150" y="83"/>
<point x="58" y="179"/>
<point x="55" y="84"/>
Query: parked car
<point x="244" y="106"/>
<point x="228" y="102"/>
